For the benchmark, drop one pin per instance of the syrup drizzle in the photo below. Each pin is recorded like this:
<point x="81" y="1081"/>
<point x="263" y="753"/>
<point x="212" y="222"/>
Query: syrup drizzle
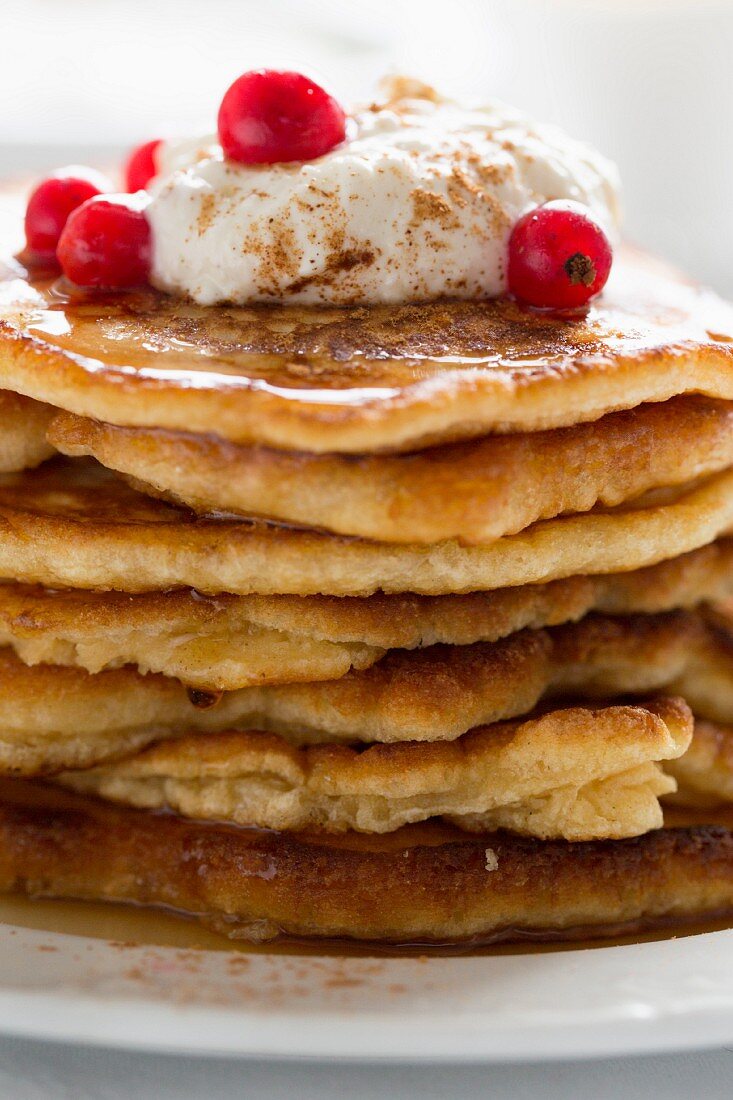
<point x="330" y="357"/>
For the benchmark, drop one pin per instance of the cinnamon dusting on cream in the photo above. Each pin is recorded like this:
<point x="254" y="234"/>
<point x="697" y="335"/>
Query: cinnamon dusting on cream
<point x="416" y="205"/>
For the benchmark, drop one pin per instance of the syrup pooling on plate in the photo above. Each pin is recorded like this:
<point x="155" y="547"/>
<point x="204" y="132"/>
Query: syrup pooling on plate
<point x="129" y="926"/>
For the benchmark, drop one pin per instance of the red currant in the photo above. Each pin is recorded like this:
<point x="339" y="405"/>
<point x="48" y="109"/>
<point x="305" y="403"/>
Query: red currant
<point x="268" y="116"/>
<point x="107" y="242"/>
<point x="142" y="165"/>
<point x="52" y="202"/>
<point x="559" y="258"/>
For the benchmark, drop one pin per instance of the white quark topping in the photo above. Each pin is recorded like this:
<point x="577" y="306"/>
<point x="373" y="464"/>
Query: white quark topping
<point x="417" y="204"/>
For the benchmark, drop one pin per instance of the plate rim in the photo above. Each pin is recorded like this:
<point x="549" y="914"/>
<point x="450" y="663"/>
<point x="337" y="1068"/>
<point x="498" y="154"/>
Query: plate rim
<point x="152" y="1024"/>
<point x="658" y="1036"/>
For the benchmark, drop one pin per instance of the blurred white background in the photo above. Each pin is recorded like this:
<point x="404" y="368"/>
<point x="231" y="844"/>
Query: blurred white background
<point x="647" y="81"/>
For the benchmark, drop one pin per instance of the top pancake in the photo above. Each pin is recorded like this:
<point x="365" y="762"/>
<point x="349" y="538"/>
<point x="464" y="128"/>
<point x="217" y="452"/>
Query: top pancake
<point x="360" y="380"/>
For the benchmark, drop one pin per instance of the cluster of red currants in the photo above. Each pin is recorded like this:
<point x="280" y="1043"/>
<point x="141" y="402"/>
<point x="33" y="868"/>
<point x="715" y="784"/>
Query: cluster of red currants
<point x="559" y="257"/>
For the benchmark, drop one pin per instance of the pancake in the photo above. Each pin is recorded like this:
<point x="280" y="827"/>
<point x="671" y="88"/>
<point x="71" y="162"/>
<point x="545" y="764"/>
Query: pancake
<point x="705" y="776"/>
<point x="474" y="492"/>
<point x="360" y="380"/>
<point x="427" y="883"/>
<point x="23" y="427"/>
<point x="53" y="717"/>
<point x="71" y="523"/>
<point x="580" y="773"/>
<point x="210" y="643"/>
<point x="226" y="642"/>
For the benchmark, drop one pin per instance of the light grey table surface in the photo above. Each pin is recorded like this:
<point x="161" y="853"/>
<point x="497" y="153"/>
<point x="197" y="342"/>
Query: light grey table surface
<point x="37" y="1071"/>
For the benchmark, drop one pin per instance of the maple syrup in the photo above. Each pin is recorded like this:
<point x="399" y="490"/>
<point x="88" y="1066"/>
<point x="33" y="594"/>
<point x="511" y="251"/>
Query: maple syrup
<point x="141" y="927"/>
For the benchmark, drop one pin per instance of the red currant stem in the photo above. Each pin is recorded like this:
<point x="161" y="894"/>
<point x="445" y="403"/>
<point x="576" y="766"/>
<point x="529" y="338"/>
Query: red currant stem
<point x="580" y="269"/>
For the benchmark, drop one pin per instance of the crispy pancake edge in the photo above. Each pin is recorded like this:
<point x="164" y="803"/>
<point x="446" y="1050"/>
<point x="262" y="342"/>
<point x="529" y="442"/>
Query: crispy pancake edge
<point x="55" y="717"/>
<point x="579" y="773"/>
<point x="23" y="432"/>
<point x="228" y="642"/>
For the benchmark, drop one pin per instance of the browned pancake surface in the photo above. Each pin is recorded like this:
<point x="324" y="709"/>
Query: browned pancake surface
<point x="474" y="492"/>
<point x="360" y="380"/>
<point x="705" y="773"/>
<point x="23" y="432"/>
<point x="580" y="773"/>
<point x="426" y="883"/>
<point x="74" y="524"/>
<point x="54" y="717"/>
<point x="220" y="643"/>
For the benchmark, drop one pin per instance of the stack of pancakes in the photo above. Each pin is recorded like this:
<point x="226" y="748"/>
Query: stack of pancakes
<point x="408" y="617"/>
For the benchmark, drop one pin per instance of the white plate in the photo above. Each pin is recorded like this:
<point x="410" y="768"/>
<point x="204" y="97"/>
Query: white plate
<point x="660" y="996"/>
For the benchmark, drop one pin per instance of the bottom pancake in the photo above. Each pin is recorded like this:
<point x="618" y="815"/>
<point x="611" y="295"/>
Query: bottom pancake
<point x="426" y="883"/>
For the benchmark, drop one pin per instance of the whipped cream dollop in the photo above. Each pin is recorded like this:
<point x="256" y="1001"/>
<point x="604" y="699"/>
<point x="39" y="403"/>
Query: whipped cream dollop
<point x="417" y="204"/>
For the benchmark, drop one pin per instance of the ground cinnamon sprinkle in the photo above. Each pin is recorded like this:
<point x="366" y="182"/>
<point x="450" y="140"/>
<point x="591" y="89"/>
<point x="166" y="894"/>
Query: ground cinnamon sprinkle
<point x="279" y="255"/>
<point x="207" y="212"/>
<point x="397" y="88"/>
<point x="488" y="174"/>
<point x="427" y="206"/>
<point x="336" y="264"/>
